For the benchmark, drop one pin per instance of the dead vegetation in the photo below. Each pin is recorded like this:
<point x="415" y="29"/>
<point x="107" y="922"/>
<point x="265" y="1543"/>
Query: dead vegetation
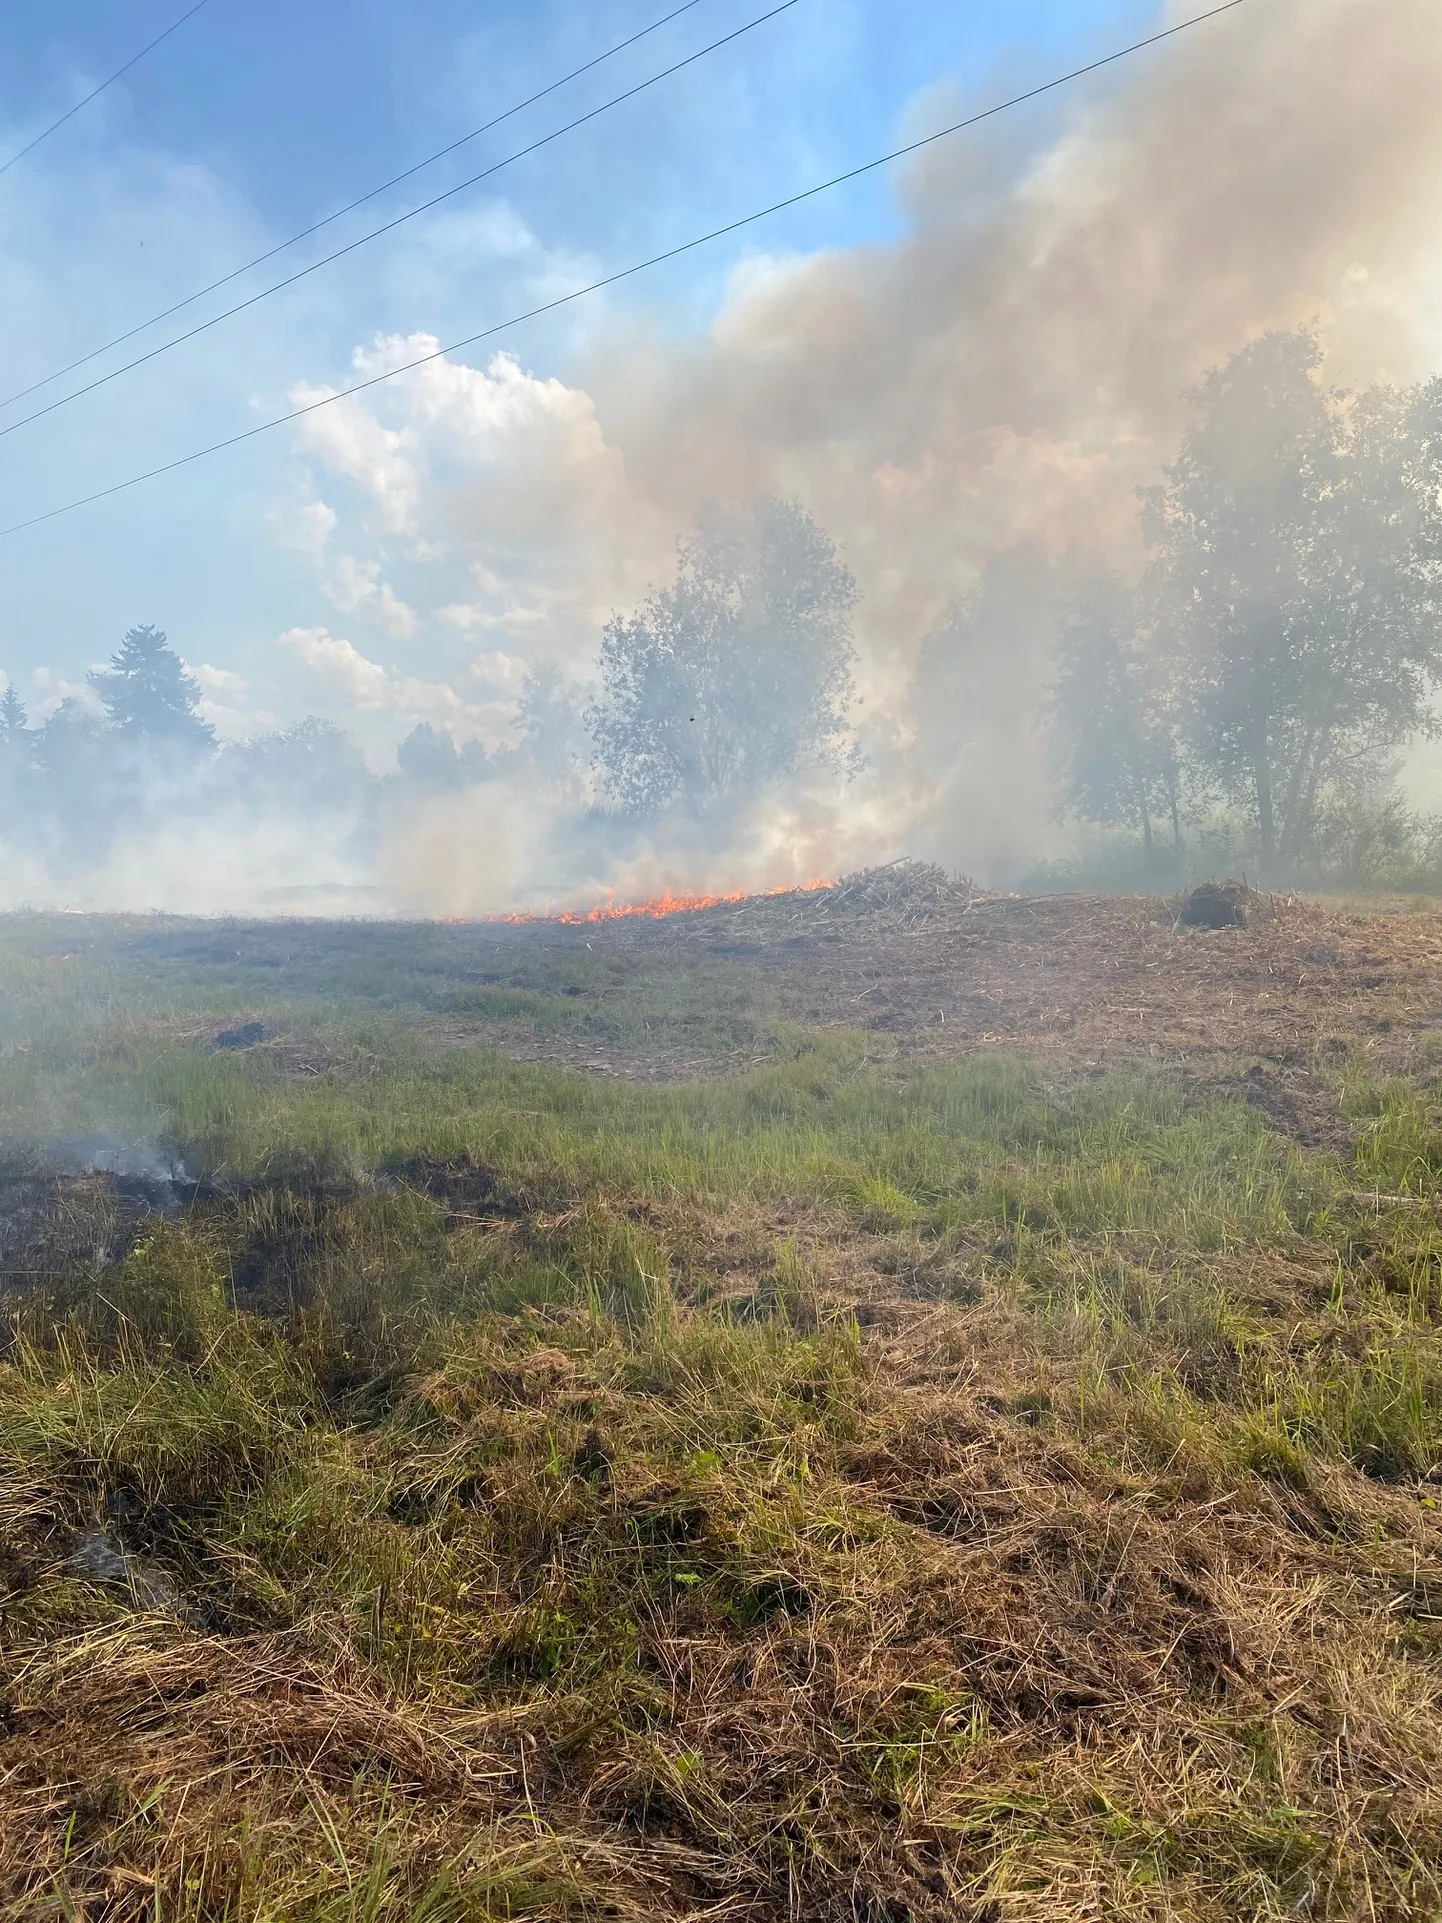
<point x="1221" y="904"/>
<point x="879" y="1486"/>
<point x="1117" y="978"/>
<point x="936" y="969"/>
<point x="1267" y="1011"/>
<point x="930" y="967"/>
<point x="660" y="1612"/>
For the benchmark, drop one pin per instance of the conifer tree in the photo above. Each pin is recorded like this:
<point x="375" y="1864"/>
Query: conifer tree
<point x="148" y="693"/>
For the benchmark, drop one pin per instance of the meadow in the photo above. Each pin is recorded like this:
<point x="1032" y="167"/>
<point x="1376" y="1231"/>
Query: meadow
<point x="601" y="1423"/>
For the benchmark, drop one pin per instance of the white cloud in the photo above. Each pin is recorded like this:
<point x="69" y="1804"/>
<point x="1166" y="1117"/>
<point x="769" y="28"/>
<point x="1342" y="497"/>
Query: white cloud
<point x="53" y="689"/>
<point x="356" y="587"/>
<point x="352" y="443"/>
<point x="219" y="683"/>
<point x="368" y="688"/>
<point x="506" y="673"/>
<point x="362" y="683"/>
<point x="466" y="616"/>
<point x="308" y="528"/>
<point x="500" y="471"/>
<point x="224" y="701"/>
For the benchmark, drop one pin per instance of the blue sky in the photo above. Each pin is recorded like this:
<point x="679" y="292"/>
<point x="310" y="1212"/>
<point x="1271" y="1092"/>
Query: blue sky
<point x="253" y="120"/>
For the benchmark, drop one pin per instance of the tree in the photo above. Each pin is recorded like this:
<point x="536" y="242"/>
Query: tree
<point x="1111" y="738"/>
<point x="72" y="740"/>
<point x="737" y="674"/>
<point x="13" y="718"/>
<point x="1367" y="639"/>
<point x="1297" y="575"/>
<point x="312" y="764"/>
<point x="428" y="758"/>
<point x="149" y="695"/>
<point x="84" y="796"/>
<point x="17" y="758"/>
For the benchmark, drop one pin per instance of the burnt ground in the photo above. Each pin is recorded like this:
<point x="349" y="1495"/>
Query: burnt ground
<point x="922" y="970"/>
<point x="1265" y="1012"/>
<point x="1271" y="1013"/>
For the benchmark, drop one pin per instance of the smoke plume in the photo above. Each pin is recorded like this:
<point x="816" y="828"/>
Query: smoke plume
<point x="967" y="410"/>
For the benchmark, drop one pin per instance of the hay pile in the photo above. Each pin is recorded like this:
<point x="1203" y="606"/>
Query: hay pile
<point x="899" y="893"/>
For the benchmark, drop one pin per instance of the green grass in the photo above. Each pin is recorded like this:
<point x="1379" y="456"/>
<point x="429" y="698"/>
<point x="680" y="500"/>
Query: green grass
<point x="828" y="1490"/>
<point x="86" y="970"/>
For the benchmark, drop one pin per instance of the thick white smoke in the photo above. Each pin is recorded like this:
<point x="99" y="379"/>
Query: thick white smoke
<point x="968" y="412"/>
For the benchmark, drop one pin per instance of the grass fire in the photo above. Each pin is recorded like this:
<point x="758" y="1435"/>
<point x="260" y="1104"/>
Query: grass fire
<point x="721" y="962"/>
<point x="657" y="907"/>
<point x="884" y="1400"/>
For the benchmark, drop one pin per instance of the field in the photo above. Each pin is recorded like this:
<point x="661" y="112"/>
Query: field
<point x="887" y="1404"/>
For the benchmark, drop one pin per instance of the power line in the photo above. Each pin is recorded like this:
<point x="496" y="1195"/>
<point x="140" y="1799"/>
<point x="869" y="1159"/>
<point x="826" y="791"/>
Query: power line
<point x="276" y="287"/>
<point x="626" y="273"/>
<point x="134" y="59"/>
<point x="350" y="206"/>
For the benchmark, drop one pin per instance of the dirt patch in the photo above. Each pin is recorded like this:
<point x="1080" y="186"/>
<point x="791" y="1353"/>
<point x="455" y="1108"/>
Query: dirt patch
<point x="1294" y="1101"/>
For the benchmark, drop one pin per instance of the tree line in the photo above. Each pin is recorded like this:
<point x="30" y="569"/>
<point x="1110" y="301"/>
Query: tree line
<point x="1278" y="648"/>
<point x="735" y="675"/>
<point x="139" y="750"/>
<point x="1285" y="636"/>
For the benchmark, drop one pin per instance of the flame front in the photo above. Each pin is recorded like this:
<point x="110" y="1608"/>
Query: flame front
<point x="661" y="905"/>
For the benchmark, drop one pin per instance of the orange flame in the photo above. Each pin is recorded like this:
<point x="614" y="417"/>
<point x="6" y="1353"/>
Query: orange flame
<point x="662" y="905"/>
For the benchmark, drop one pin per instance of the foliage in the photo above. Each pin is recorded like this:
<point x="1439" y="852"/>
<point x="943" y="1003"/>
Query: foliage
<point x="72" y="786"/>
<point x="1297" y="543"/>
<point x="737" y="674"/>
<point x="429" y="759"/>
<point x="149" y="694"/>
<point x="17" y="761"/>
<point x="1289" y="625"/>
<point x="312" y="764"/>
<point x="552" y="728"/>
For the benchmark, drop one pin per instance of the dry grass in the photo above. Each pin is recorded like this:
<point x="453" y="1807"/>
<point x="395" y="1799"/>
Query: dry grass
<point x="935" y="974"/>
<point x="860" y="1490"/>
<point x="817" y="1628"/>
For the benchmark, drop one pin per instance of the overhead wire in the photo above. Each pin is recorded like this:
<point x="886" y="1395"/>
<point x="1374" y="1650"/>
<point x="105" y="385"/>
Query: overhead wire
<point x="95" y="92"/>
<point x="627" y="273"/>
<point x="387" y="227"/>
<point x="361" y="200"/>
